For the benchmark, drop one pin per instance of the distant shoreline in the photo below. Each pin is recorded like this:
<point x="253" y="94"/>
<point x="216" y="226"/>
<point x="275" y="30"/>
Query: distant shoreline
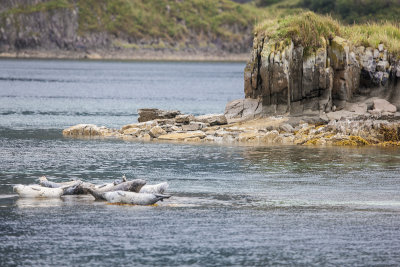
<point x="137" y="55"/>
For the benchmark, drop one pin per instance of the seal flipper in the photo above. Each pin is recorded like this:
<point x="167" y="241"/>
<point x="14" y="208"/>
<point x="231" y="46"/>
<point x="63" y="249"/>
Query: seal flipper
<point x="161" y="197"/>
<point x="70" y="189"/>
<point x="95" y="194"/>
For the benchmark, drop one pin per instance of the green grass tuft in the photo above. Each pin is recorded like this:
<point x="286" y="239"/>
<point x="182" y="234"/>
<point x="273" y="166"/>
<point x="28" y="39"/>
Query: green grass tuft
<point x="310" y="30"/>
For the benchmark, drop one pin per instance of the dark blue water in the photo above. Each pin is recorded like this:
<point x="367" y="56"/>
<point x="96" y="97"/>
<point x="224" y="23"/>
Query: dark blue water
<point x="242" y="206"/>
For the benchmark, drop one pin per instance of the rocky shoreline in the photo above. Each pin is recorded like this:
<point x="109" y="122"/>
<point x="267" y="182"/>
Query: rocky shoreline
<point x="172" y="126"/>
<point x="127" y="55"/>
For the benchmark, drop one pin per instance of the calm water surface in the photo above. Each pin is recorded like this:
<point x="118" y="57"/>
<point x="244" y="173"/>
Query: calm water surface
<point x="231" y="205"/>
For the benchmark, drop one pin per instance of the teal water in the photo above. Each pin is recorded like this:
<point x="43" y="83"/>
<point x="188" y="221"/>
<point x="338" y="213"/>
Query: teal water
<point x="231" y="205"/>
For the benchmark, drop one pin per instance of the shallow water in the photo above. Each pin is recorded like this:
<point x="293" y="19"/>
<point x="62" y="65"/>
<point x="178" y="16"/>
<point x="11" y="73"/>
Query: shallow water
<point x="231" y="205"/>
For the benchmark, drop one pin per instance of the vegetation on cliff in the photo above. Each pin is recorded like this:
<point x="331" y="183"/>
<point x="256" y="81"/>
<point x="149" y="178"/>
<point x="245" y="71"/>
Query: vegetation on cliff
<point x="347" y="11"/>
<point x="310" y="30"/>
<point x="161" y="22"/>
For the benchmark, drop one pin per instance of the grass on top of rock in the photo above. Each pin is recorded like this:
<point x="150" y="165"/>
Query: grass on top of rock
<point x="310" y="30"/>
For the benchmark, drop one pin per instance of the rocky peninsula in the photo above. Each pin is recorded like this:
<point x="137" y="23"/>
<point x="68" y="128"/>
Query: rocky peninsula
<point x="304" y="84"/>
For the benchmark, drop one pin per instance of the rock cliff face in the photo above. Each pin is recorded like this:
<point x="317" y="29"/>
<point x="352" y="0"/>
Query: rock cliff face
<point x="287" y="79"/>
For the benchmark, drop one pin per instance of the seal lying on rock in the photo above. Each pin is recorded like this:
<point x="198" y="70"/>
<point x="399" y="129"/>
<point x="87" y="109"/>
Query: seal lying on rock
<point x="128" y="197"/>
<point x="46" y="183"/>
<point x="37" y="191"/>
<point x="155" y="189"/>
<point x="132" y="186"/>
<point x="82" y="188"/>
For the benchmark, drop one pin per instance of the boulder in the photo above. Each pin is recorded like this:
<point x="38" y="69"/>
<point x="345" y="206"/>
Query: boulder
<point x="212" y="119"/>
<point x="383" y="105"/>
<point x="156" y="131"/>
<point x="148" y="114"/>
<point x="286" y="128"/>
<point x="241" y="109"/>
<point x="184" y="118"/>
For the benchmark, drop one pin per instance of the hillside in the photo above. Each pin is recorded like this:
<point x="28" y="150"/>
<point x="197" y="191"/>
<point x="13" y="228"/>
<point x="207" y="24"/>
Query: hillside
<point x="347" y="11"/>
<point x="126" y="26"/>
<point x="160" y="29"/>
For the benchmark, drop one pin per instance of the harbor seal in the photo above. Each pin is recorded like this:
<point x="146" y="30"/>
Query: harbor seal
<point x="125" y="197"/>
<point x="38" y="191"/>
<point x="132" y="186"/>
<point x="154" y="189"/>
<point x="43" y="181"/>
<point x="82" y="188"/>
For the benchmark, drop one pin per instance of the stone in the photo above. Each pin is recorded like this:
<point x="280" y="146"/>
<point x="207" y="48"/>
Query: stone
<point x="146" y="137"/>
<point x="132" y="131"/>
<point x="376" y="53"/>
<point x="127" y="126"/>
<point x="146" y="125"/>
<point x="337" y="115"/>
<point x="359" y="108"/>
<point x="184" y="118"/>
<point x="241" y="109"/>
<point x="269" y="136"/>
<point x="383" y="105"/>
<point x="286" y="128"/>
<point x="380" y="47"/>
<point x="156" y="131"/>
<point x="149" y="114"/>
<point x="193" y="139"/>
<point x="86" y="130"/>
<point x="382" y="66"/>
<point x="248" y="136"/>
<point x="194" y="126"/>
<point x="212" y="119"/>
<point x="182" y="136"/>
<point x="234" y="109"/>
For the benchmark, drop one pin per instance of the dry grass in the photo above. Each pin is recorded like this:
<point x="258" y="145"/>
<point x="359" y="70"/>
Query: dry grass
<point x="373" y="34"/>
<point x="308" y="29"/>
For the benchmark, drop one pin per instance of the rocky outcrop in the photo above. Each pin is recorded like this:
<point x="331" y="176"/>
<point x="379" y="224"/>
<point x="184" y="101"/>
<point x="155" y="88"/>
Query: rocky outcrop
<point x="272" y="130"/>
<point x="288" y="79"/>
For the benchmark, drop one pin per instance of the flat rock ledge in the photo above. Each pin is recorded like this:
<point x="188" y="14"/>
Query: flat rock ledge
<point x="358" y="130"/>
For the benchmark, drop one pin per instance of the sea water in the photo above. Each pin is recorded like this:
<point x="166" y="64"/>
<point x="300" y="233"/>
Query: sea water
<point x="230" y="205"/>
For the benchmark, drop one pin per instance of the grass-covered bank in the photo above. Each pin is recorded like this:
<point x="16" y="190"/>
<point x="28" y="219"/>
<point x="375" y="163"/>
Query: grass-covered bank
<point x="136" y="24"/>
<point x="308" y="28"/>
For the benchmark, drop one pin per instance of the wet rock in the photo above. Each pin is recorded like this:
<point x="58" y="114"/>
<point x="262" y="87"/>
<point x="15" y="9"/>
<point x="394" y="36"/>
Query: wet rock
<point x="149" y="114"/>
